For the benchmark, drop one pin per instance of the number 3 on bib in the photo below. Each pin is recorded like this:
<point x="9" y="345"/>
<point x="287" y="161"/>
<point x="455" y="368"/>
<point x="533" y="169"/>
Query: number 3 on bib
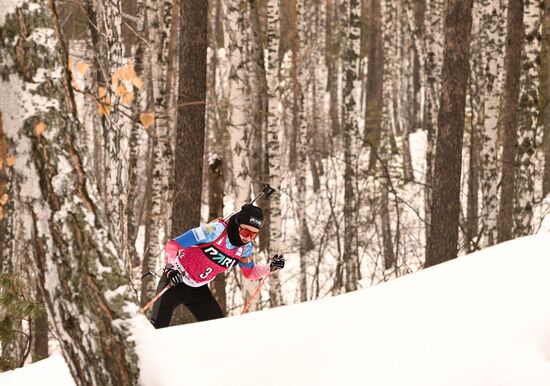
<point x="205" y="274"/>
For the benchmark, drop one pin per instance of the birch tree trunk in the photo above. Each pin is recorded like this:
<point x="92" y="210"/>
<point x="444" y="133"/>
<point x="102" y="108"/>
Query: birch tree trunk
<point x="432" y="67"/>
<point x="448" y="162"/>
<point x="216" y="124"/>
<point x="301" y="63"/>
<point x="332" y="55"/>
<point x="388" y="74"/>
<point x="116" y="146"/>
<point x="8" y="209"/>
<point x="274" y="139"/>
<point x="350" y="134"/>
<point x="99" y="80"/>
<point x="418" y="65"/>
<point x="491" y="31"/>
<point x="237" y="120"/>
<point x="512" y="67"/>
<point x="158" y="13"/>
<point x="83" y="283"/>
<point x="474" y="119"/>
<point x="474" y="162"/>
<point x="528" y="114"/>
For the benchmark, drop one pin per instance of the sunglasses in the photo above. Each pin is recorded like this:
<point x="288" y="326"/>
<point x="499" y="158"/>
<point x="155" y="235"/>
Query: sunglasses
<point x="247" y="233"/>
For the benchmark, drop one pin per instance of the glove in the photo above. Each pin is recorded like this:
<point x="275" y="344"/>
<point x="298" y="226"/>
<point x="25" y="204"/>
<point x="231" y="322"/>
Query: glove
<point x="277" y="262"/>
<point x="173" y="274"/>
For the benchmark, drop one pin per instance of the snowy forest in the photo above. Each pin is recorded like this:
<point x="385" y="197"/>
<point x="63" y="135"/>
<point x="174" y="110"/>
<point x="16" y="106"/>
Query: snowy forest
<point x="398" y="134"/>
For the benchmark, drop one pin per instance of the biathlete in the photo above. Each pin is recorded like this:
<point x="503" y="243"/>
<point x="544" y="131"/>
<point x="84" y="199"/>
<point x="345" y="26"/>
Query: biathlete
<point x="196" y="257"/>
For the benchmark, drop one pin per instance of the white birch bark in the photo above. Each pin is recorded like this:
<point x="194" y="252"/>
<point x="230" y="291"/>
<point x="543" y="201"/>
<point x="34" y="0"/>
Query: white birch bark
<point x="236" y="13"/>
<point x="303" y="146"/>
<point x="237" y="118"/>
<point x="528" y="121"/>
<point x="393" y="95"/>
<point x="474" y="114"/>
<point x="491" y="35"/>
<point x="406" y="94"/>
<point x="274" y="138"/>
<point x="84" y="285"/>
<point x="350" y="135"/>
<point x="432" y="72"/>
<point x="158" y="15"/>
<point x="116" y="160"/>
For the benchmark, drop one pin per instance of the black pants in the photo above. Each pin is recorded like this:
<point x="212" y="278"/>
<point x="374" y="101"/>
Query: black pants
<point x="198" y="300"/>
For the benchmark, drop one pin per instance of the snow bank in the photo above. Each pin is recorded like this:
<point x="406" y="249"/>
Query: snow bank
<point x="479" y="320"/>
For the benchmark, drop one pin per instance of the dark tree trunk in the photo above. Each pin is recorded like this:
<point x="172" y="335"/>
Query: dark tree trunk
<point x="215" y="210"/>
<point x="190" y="128"/>
<point x="375" y="73"/>
<point x="448" y="157"/>
<point x="191" y="119"/>
<point x="512" y="68"/>
<point x="39" y="335"/>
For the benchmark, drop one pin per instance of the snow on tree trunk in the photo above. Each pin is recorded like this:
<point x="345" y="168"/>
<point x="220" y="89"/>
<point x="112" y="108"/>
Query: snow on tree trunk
<point x="491" y="36"/>
<point x="512" y="68"/>
<point x="528" y="121"/>
<point x="85" y="288"/>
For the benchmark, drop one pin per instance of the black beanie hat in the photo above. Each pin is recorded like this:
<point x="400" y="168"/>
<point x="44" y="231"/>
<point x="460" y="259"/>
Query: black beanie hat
<point x="251" y="215"/>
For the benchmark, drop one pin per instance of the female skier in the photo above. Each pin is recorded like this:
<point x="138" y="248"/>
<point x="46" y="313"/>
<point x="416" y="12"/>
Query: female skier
<point x="196" y="257"/>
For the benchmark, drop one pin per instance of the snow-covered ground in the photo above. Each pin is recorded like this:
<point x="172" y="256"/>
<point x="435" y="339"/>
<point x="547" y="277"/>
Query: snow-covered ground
<point x="482" y="319"/>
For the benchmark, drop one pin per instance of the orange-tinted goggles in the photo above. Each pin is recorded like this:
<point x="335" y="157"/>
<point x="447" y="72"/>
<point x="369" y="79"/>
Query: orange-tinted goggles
<point x="246" y="233"/>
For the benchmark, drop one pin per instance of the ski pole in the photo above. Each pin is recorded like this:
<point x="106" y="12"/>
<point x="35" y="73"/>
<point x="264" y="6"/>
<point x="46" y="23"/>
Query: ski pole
<point x="255" y="294"/>
<point x="157" y="296"/>
<point x="267" y="191"/>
